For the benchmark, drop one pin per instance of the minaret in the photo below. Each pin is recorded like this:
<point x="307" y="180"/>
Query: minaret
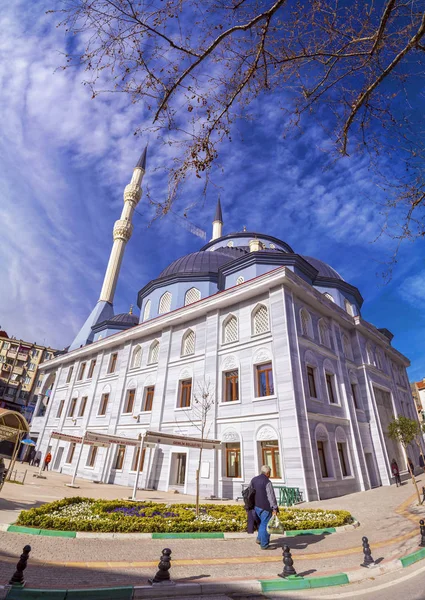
<point x="123" y="229"/>
<point x="217" y="223"/>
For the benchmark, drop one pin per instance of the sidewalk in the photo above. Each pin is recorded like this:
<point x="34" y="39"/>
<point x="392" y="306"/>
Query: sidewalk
<point x="83" y="562"/>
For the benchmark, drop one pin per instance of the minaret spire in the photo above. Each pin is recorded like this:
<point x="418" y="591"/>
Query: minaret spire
<point x="123" y="229"/>
<point x="218" y="222"/>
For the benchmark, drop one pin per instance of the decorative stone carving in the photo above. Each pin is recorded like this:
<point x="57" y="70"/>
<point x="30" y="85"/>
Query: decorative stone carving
<point x="262" y="355"/>
<point x="340" y="435"/>
<point x="149" y="381"/>
<point x="321" y="433"/>
<point x="186" y="374"/>
<point x="266" y="433"/>
<point x="132" y="193"/>
<point x="230" y="436"/>
<point x="229" y="362"/>
<point x="123" y="230"/>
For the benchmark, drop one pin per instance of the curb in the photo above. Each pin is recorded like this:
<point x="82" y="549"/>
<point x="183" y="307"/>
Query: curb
<point x="232" y="535"/>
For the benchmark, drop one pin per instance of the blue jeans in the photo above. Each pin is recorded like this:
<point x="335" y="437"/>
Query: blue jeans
<point x="264" y="516"/>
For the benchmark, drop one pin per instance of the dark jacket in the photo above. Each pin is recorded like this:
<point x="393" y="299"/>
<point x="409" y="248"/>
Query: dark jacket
<point x="264" y="493"/>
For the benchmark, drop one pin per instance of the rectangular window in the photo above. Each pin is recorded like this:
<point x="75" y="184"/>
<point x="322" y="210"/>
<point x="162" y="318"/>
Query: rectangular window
<point x="72" y="407"/>
<point x="342" y="459"/>
<point x="34" y="353"/>
<point x="148" y="399"/>
<point x="330" y="388"/>
<point x="82" y="406"/>
<point x="311" y="382"/>
<point x="231" y="386"/>
<point x="60" y="409"/>
<point x="185" y="393"/>
<point x="27" y="380"/>
<point x="81" y="371"/>
<point x="91" y="458"/>
<point x="103" y="404"/>
<point x="136" y="455"/>
<point x="70" y="453"/>
<point x="129" y="401"/>
<point x="265" y="385"/>
<point x="271" y="457"/>
<point x="39" y="382"/>
<point x="233" y="460"/>
<point x="354" y="393"/>
<point x="322" y="459"/>
<point x="31" y="367"/>
<point x="119" y="459"/>
<point x="112" y="362"/>
<point x="91" y="369"/>
<point x="68" y="379"/>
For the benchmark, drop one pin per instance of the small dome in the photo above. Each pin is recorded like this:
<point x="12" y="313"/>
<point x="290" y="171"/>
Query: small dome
<point x="324" y="269"/>
<point x="125" y="318"/>
<point x="201" y="262"/>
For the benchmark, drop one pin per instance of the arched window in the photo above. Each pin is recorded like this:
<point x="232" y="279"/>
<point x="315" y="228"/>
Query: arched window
<point x="153" y="352"/>
<point x="192" y="295"/>
<point x="343" y="452"/>
<point x="306" y="325"/>
<point x="370" y="354"/>
<point x="348" y="351"/>
<point x="349" y="307"/>
<point x="379" y="361"/>
<point x="240" y="280"/>
<point x="324" y="451"/>
<point x="230" y="329"/>
<point x="188" y="343"/>
<point x="164" y="303"/>
<point x="329" y="296"/>
<point x="324" y="333"/>
<point x="260" y="319"/>
<point x="147" y="311"/>
<point x="136" y="359"/>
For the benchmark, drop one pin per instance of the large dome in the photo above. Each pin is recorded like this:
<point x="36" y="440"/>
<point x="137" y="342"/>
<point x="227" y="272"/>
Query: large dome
<point x="324" y="269"/>
<point x="202" y="262"/>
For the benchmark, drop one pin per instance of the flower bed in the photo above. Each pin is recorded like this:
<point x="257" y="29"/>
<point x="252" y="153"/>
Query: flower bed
<point x="86" y="514"/>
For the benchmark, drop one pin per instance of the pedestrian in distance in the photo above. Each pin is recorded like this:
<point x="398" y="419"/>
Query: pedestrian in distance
<point x="47" y="461"/>
<point x="37" y="458"/>
<point x="410" y="464"/>
<point x="265" y="504"/>
<point x="31" y="457"/>
<point x="395" y="471"/>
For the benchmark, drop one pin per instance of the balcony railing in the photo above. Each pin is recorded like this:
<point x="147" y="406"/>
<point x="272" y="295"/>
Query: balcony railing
<point x="12" y="353"/>
<point x="22" y="356"/>
<point x="18" y="370"/>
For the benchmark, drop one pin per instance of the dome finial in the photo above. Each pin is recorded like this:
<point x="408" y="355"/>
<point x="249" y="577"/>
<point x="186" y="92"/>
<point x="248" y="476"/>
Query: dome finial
<point x="130" y="312"/>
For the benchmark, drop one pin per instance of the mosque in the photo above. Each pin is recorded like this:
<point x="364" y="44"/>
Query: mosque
<point x="272" y="340"/>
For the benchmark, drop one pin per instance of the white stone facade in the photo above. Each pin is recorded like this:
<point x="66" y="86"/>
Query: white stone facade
<point x="303" y="417"/>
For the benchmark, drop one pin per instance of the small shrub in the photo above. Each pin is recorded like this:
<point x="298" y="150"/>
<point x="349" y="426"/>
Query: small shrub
<point x="86" y="514"/>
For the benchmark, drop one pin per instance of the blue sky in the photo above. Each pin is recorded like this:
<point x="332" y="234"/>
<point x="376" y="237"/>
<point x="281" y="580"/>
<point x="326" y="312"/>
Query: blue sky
<point x="65" y="159"/>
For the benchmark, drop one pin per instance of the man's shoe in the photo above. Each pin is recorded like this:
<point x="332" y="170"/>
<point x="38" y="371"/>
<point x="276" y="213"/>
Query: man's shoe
<point x="266" y="547"/>
<point x="257" y="541"/>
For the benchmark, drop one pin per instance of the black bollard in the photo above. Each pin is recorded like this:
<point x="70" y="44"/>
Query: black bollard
<point x="423" y="495"/>
<point x="18" y="576"/>
<point x="422" y="527"/>
<point x="164" y="565"/>
<point x="288" y="563"/>
<point x="367" y="558"/>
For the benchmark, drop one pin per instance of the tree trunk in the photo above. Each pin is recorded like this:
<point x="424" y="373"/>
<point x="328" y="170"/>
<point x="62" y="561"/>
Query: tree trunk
<point x="414" y="483"/>
<point x="197" y="483"/>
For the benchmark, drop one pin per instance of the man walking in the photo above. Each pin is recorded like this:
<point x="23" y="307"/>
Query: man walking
<point x="265" y="504"/>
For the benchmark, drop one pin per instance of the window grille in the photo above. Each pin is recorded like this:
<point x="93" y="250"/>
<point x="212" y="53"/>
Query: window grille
<point x="261" y="320"/>
<point x="137" y="357"/>
<point x="324" y="333"/>
<point x="147" y="310"/>
<point x="240" y="280"/>
<point x="153" y="353"/>
<point x="192" y="295"/>
<point x="231" y="330"/>
<point x="306" y="323"/>
<point x="329" y="296"/>
<point x="188" y="343"/>
<point x="164" y="303"/>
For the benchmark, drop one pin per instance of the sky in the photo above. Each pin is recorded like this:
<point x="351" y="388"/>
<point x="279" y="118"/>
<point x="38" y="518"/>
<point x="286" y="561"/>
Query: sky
<point x="65" y="159"/>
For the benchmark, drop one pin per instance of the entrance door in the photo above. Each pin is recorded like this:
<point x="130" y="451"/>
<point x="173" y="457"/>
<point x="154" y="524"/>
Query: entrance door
<point x="58" y="459"/>
<point x="374" y="482"/>
<point x="178" y="469"/>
